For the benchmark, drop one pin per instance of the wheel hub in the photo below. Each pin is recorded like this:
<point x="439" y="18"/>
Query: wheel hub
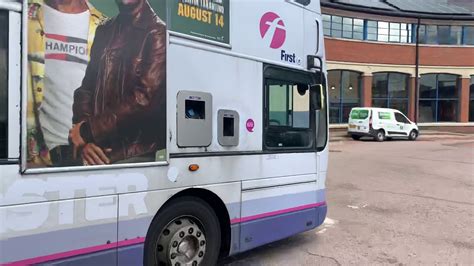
<point x="188" y="247"/>
<point x="183" y="243"/>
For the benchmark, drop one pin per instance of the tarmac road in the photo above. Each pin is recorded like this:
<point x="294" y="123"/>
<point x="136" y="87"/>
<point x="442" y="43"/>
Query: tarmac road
<point x="395" y="202"/>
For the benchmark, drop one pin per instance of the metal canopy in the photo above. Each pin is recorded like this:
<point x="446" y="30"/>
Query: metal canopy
<point x="367" y="3"/>
<point x="426" y="9"/>
<point x="431" y="6"/>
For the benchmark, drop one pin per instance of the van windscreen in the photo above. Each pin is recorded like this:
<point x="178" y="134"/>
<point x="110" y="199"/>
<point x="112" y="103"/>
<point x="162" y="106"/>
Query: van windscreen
<point x="360" y="114"/>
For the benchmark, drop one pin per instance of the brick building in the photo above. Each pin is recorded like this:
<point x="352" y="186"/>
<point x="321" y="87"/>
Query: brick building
<point x="376" y="49"/>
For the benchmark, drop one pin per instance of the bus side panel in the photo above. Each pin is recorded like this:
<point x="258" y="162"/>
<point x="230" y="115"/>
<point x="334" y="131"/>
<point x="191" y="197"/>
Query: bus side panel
<point x="323" y="162"/>
<point x="276" y="212"/>
<point x="234" y="84"/>
<point x="79" y="232"/>
<point x="135" y="218"/>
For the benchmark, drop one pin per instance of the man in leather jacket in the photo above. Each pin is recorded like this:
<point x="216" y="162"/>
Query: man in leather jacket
<point x="119" y="111"/>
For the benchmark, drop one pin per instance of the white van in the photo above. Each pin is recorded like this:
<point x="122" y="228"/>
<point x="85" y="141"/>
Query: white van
<point x="380" y="123"/>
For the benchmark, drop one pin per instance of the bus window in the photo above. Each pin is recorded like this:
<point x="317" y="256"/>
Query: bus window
<point x="289" y="105"/>
<point x="289" y="115"/>
<point x="3" y="84"/>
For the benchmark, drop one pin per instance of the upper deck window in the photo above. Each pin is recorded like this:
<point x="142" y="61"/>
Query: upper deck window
<point x="3" y="84"/>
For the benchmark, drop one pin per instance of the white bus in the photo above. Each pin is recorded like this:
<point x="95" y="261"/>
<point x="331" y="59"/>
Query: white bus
<point x="159" y="132"/>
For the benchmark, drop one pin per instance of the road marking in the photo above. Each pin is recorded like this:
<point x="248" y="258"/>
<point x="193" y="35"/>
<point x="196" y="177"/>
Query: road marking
<point x="328" y="223"/>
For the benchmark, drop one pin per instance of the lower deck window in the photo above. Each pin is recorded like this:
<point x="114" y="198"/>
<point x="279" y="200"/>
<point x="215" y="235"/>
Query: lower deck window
<point x="289" y="114"/>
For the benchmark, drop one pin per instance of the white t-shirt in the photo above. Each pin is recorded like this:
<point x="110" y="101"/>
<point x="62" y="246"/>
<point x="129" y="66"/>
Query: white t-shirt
<point x="65" y="65"/>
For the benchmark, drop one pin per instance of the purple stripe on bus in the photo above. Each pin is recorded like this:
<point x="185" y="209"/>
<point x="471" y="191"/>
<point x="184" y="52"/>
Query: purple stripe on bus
<point x="260" y="232"/>
<point x="77" y="252"/>
<point x="131" y="255"/>
<point x="279" y="212"/>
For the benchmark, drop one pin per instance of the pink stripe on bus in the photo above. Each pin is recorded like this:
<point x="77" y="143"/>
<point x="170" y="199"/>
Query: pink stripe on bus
<point x="77" y="252"/>
<point x="274" y="213"/>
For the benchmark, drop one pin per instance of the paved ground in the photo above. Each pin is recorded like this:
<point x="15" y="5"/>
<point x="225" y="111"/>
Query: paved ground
<point x="396" y="202"/>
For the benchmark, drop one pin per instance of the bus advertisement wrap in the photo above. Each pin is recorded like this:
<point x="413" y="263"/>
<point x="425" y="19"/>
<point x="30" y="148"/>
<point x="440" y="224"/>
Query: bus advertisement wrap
<point x="207" y="19"/>
<point x="96" y="82"/>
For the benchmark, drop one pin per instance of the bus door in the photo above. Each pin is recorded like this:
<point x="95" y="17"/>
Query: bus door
<point x="10" y="85"/>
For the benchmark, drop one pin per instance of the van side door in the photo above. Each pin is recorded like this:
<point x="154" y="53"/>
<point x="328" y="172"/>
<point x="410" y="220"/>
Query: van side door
<point x="403" y="123"/>
<point x="387" y="121"/>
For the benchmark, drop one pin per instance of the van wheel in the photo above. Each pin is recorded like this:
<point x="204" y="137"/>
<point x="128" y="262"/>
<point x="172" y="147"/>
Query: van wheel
<point x="355" y="137"/>
<point x="185" y="232"/>
<point x="380" y="135"/>
<point x="413" y="135"/>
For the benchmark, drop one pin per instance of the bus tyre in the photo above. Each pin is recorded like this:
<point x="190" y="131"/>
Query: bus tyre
<point x="185" y="232"/>
<point x="413" y="135"/>
<point x="380" y="136"/>
<point x="355" y="137"/>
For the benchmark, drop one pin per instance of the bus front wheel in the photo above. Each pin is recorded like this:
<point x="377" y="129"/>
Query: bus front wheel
<point x="185" y="232"/>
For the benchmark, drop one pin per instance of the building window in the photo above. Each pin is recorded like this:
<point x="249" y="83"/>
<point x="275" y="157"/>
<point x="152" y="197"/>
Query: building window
<point x="442" y="34"/>
<point x="468" y="35"/>
<point x="3" y="84"/>
<point x="327" y="25"/>
<point x="372" y="30"/>
<point x="471" y="100"/>
<point x="438" y="98"/>
<point x="358" y="29"/>
<point x="390" y="90"/>
<point x="382" y="31"/>
<point x="431" y="34"/>
<point x="394" y="34"/>
<point x="344" y="94"/>
<point x="344" y="27"/>
<point x="336" y="26"/>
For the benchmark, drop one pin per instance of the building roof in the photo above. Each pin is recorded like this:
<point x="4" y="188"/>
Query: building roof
<point x="433" y="9"/>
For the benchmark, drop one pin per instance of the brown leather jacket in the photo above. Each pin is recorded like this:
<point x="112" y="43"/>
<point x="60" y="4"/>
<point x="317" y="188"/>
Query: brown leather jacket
<point x="122" y="98"/>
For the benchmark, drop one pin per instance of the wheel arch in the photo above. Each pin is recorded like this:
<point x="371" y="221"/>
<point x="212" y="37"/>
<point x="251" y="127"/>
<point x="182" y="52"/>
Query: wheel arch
<point x="382" y="129"/>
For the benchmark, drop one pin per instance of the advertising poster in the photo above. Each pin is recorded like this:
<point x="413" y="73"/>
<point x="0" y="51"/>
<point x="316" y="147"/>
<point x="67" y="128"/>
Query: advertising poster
<point x="207" y="19"/>
<point x="96" y="82"/>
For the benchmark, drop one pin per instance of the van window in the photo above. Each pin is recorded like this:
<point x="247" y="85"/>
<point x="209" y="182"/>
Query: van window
<point x="3" y="84"/>
<point x="385" y="115"/>
<point x="359" y="114"/>
<point x="401" y="118"/>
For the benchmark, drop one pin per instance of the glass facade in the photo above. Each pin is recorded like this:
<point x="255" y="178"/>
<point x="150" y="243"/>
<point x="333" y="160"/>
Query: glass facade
<point x="383" y="31"/>
<point x="390" y="90"/>
<point x="344" y="94"/>
<point x="438" y="98"/>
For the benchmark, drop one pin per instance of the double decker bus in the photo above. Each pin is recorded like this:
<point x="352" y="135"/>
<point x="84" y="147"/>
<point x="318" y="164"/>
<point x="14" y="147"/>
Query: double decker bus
<point x="159" y="132"/>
